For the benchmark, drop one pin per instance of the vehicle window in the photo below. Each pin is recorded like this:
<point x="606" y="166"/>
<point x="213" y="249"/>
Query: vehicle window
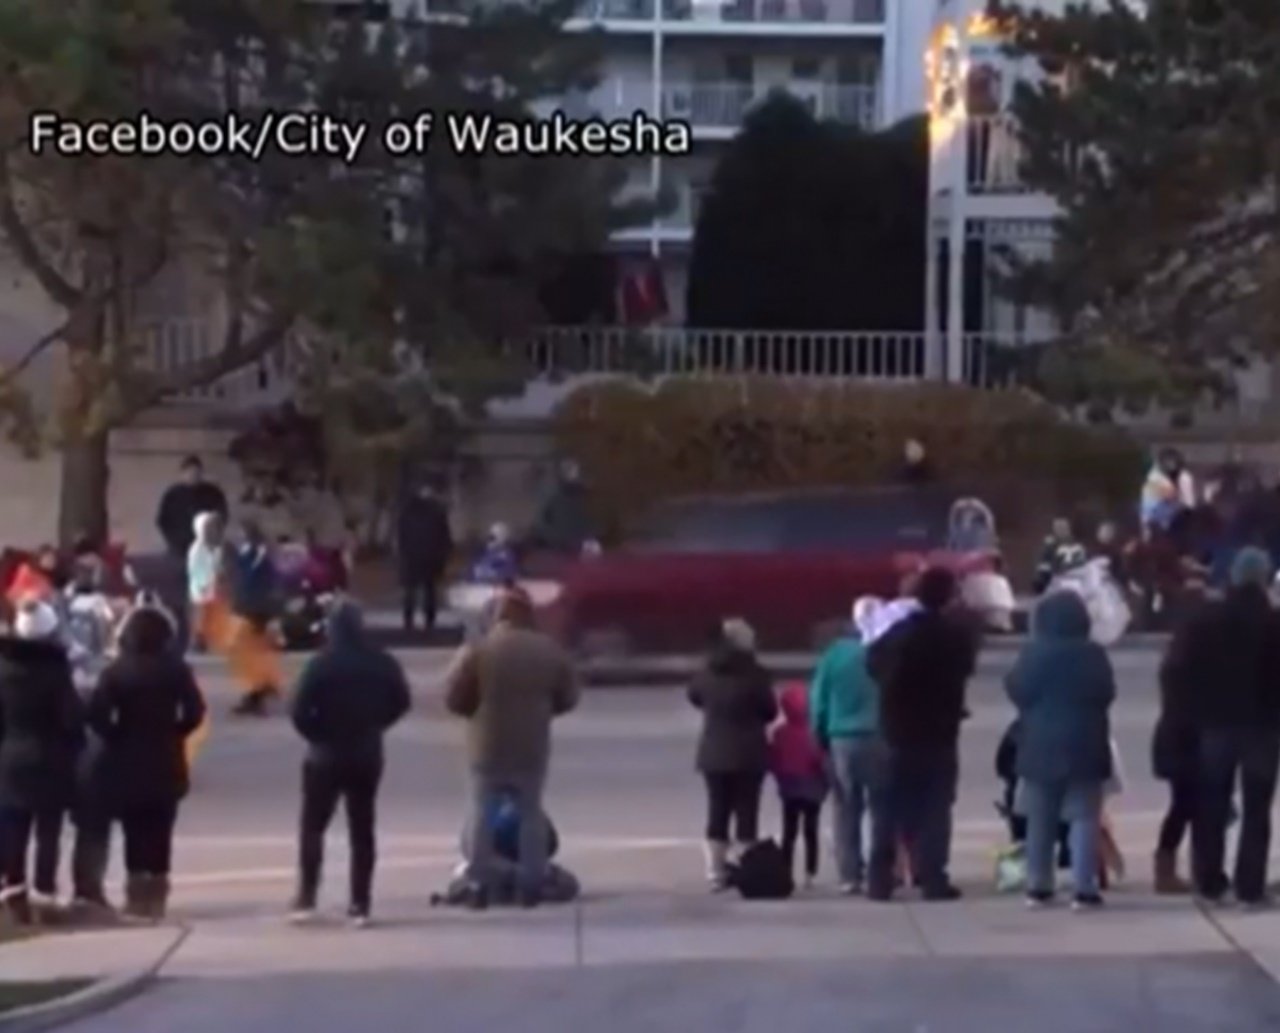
<point x="712" y="527"/>
<point x="893" y="522"/>
<point x="909" y="521"/>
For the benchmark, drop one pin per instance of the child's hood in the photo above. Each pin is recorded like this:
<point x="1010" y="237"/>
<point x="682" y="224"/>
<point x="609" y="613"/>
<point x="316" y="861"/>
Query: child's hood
<point x="795" y="702"/>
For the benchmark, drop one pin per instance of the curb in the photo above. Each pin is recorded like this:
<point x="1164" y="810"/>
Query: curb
<point x="94" y="999"/>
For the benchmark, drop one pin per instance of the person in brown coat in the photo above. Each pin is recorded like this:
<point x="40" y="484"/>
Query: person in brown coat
<point x="509" y="686"/>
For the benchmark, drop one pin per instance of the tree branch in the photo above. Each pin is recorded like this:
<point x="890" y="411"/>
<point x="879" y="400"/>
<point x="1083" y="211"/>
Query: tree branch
<point x="12" y="372"/>
<point x="57" y="286"/>
<point x="237" y="352"/>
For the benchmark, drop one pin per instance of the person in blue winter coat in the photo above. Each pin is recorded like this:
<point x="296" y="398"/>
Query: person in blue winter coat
<point x="1062" y="685"/>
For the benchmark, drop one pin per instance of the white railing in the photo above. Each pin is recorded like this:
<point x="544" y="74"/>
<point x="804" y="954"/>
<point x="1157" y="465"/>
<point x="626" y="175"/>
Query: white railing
<point x="989" y="360"/>
<point x="618" y="10"/>
<point x="724" y="105"/>
<point x="995" y="154"/>
<point x="557" y="353"/>
<point x="783" y="12"/>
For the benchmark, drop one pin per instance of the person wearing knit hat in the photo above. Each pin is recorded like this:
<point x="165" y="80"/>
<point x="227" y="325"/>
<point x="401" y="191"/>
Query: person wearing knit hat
<point x="735" y="696"/>
<point x="41" y="734"/>
<point x="1219" y="725"/>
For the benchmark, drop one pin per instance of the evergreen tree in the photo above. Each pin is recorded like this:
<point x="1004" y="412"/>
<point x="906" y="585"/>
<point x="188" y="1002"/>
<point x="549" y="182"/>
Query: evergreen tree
<point x="1152" y="126"/>
<point x="812" y="226"/>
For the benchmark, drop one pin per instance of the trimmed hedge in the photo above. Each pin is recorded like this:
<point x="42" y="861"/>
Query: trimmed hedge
<point x="638" y="445"/>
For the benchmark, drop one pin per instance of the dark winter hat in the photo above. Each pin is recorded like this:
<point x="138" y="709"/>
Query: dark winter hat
<point x="1251" y="566"/>
<point x="937" y="588"/>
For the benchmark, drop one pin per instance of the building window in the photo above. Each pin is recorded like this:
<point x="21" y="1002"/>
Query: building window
<point x="806" y="68"/>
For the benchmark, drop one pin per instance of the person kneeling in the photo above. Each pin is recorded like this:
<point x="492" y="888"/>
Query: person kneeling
<point x="347" y="698"/>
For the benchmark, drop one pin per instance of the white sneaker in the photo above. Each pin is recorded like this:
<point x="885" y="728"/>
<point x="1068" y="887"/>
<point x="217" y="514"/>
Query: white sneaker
<point x="360" y="921"/>
<point x="302" y="916"/>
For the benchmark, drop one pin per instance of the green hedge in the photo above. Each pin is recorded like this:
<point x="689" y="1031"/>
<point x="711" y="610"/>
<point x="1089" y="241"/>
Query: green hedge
<point x="638" y="445"/>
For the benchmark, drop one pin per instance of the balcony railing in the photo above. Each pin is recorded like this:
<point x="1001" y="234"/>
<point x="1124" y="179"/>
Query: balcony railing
<point x="557" y="353"/>
<point x="795" y="12"/>
<point x="618" y="10"/>
<point x="724" y="105"/>
<point x="994" y="155"/>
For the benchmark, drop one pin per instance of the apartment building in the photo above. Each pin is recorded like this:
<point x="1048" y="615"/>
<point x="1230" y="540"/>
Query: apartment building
<point x="710" y="61"/>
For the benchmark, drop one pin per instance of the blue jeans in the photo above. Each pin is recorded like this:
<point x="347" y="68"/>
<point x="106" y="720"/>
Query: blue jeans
<point x="856" y="768"/>
<point x="1225" y="753"/>
<point x="912" y="804"/>
<point x="1079" y="804"/>
<point x="534" y="845"/>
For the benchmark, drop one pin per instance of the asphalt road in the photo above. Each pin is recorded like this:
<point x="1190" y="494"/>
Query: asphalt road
<point x="649" y="949"/>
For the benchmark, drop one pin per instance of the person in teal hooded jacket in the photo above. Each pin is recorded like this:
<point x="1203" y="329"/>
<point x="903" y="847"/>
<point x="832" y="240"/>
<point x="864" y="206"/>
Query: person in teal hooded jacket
<point x="1063" y="686"/>
<point x="844" y="715"/>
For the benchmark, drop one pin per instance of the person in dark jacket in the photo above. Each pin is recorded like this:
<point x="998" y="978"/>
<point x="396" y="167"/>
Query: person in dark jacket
<point x="564" y="524"/>
<point x="183" y="502"/>
<point x="735" y="694"/>
<point x="143" y="709"/>
<point x="1062" y="686"/>
<point x="41" y="733"/>
<point x="1175" y="760"/>
<point x="347" y="698"/>
<point x="1222" y="679"/>
<point x="922" y="665"/>
<point x="252" y="649"/>
<point x="425" y="544"/>
<point x="917" y="468"/>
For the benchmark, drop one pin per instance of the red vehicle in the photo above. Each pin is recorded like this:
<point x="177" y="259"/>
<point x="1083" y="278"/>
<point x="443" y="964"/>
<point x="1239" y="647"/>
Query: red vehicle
<point x="791" y="564"/>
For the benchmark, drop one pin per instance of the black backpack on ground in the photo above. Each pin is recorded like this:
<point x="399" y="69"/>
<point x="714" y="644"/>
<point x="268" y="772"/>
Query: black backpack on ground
<point x="762" y="873"/>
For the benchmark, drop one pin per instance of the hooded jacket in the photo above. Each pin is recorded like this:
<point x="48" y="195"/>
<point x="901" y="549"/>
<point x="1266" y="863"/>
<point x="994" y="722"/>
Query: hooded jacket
<point x="843" y="698"/>
<point x="41" y="725"/>
<point x="145" y="706"/>
<point x="1063" y="686"/>
<point x="797" y="763"/>
<point x="735" y="695"/>
<point x="1222" y="669"/>
<point x="348" y="696"/>
<point x="204" y="563"/>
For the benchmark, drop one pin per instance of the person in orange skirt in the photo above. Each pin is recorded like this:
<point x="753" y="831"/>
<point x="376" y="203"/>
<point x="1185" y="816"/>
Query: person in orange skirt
<point x="252" y="644"/>
<point x="210" y="610"/>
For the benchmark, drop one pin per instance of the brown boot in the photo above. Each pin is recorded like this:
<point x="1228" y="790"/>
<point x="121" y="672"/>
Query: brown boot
<point x="136" y="896"/>
<point x="158" y="898"/>
<point x="1167" y="881"/>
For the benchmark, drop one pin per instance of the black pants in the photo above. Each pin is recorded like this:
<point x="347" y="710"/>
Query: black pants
<point x="801" y="816"/>
<point x="90" y="854"/>
<point x="913" y="805"/>
<point x="148" y="838"/>
<point x="1225" y="753"/>
<point x="323" y="785"/>
<point x="733" y="798"/>
<point x="420" y="593"/>
<point x="1178" y="818"/>
<point x="18" y="827"/>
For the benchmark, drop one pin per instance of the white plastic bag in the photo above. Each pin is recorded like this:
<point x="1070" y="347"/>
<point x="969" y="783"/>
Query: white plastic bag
<point x="990" y="595"/>
<point x="1115" y="784"/>
<point x="1109" y="612"/>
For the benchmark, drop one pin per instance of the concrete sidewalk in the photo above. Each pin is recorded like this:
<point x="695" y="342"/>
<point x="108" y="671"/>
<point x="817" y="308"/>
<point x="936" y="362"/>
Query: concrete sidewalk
<point x="693" y="962"/>
<point x="118" y="964"/>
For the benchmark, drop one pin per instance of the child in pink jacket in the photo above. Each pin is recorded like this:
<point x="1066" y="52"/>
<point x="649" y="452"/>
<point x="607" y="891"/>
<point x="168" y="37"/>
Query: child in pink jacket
<point x="800" y="770"/>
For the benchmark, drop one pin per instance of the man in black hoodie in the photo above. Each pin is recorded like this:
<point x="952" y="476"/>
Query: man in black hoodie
<point x="346" y="700"/>
<point x="922" y="666"/>
<point x="1221" y="679"/>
